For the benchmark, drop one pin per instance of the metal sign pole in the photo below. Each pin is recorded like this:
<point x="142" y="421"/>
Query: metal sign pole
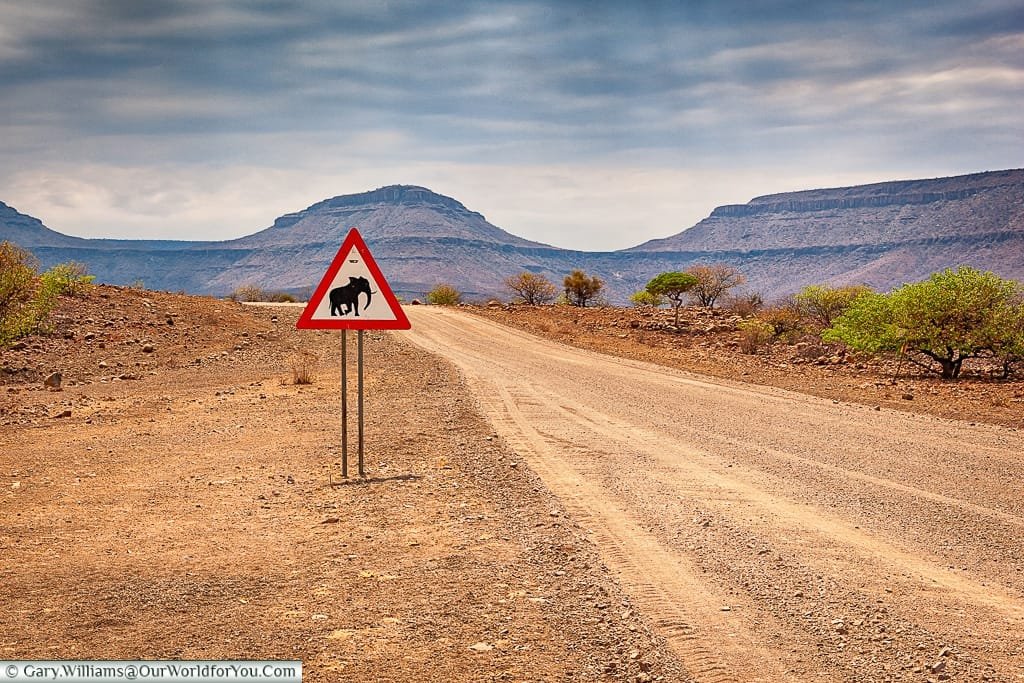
<point x="344" y="404"/>
<point x="360" y="383"/>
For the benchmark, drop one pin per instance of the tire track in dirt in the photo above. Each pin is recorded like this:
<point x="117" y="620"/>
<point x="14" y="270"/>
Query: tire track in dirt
<point x="709" y="651"/>
<point x="578" y="418"/>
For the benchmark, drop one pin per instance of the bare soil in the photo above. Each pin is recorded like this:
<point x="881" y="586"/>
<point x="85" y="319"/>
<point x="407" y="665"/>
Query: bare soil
<point x="531" y="511"/>
<point x="708" y="342"/>
<point x="769" y="535"/>
<point x="180" y="497"/>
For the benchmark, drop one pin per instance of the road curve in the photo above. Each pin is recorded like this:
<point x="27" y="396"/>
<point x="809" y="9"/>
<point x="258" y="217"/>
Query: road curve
<point x="770" y="536"/>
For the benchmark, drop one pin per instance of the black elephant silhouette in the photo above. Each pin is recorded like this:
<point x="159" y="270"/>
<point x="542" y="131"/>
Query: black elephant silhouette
<point x="348" y="296"/>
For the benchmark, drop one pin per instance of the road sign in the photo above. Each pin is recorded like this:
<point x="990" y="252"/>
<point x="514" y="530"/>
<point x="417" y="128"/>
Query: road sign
<point x="353" y="294"/>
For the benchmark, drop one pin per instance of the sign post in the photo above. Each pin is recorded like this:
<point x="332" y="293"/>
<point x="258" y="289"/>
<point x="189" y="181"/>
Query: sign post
<point x="338" y="304"/>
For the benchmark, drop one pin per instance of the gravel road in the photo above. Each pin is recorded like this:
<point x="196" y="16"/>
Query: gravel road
<point x="768" y="535"/>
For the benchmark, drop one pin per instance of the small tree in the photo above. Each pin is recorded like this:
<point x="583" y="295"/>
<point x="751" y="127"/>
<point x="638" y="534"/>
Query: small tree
<point x="821" y="304"/>
<point x="444" y="295"/>
<point x="713" y="281"/>
<point x="532" y="289"/>
<point x="581" y="288"/>
<point x="673" y="286"/>
<point x="948" y="318"/>
<point x="644" y="299"/>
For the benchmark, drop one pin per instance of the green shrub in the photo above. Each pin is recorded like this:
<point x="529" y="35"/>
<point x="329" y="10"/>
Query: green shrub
<point x="645" y="299"/>
<point x="27" y="298"/>
<point x="755" y="335"/>
<point x="939" y="322"/>
<point x="444" y="295"/>
<point x="819" y="305"/>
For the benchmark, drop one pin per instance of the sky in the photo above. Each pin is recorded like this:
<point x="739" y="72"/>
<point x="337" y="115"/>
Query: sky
<point x="584" y="124"/>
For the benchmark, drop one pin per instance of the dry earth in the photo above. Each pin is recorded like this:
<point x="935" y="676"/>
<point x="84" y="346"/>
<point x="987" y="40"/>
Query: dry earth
<point x="770" y="535"/>
<point x="708" y="343"/>
<point x="532" y="512"/>
<point x="172" y="500"/>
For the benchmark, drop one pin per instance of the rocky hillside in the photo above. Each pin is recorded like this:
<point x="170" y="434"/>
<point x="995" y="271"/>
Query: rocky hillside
<point x="882" y="235"/>
<point x="420" y="238"/>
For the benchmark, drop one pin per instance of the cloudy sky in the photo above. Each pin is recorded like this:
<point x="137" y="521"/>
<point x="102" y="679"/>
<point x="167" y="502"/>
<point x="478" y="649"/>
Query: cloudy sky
<point x="585" y="124"/>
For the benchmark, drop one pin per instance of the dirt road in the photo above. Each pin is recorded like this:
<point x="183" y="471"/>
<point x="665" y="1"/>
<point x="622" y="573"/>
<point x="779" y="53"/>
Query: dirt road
<point x="769" y="535"/>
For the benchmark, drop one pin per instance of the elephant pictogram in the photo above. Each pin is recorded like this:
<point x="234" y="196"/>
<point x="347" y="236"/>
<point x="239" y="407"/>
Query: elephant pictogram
<point x="348" y="296"/>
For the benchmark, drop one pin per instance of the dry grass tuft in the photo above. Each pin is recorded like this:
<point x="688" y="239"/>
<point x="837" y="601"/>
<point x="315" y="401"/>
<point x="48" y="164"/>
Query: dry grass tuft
<point x="302" y="367"/>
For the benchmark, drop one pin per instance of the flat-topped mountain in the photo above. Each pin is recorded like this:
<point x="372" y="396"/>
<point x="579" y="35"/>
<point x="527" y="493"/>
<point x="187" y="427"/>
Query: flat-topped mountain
<point x="881" y="234"/>
<point x="971" y="205"/>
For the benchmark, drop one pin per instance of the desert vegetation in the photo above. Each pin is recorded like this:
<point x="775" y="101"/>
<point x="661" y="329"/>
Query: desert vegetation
<point x="940" y="322"/>
<point x="444" y="295"/>
<point x="531" y="289"/>
<point x="581" y="289"/>
<point x="673" y="286"/>
<point x="253" y="293"/>
<point x="712" y="281"/>
<point x="27" y="296"/>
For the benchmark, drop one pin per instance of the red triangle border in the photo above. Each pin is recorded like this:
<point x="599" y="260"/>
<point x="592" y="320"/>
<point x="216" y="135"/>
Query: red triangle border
<point x="306" y="321"/>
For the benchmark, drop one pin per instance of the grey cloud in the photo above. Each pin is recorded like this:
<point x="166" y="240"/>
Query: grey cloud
<point x="578" y="78"/>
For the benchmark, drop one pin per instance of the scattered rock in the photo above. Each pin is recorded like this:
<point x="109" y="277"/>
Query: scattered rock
<point x="64" y="413"/>
<point x="907" y="397"/>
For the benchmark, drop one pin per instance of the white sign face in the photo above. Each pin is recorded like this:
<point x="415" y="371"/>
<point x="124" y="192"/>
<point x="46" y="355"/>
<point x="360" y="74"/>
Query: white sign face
<point x="353" y="294"/>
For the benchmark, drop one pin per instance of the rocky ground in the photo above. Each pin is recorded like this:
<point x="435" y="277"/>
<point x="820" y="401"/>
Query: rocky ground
<point x="708" y="342"/>
<point x="177" y="495"/>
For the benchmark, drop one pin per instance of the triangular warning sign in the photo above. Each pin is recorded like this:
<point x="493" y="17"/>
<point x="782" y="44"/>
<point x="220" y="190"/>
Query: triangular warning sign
<point x="353" y="294"/>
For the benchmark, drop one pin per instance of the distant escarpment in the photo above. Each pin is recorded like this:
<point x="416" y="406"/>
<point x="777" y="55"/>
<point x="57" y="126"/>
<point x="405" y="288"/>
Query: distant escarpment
<point x="882" y="235"/>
